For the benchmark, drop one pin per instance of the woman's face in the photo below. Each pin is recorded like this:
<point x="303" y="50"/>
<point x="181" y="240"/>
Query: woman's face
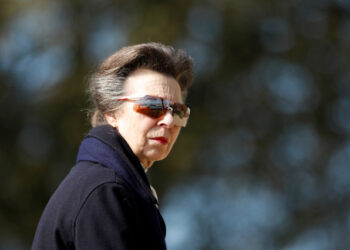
<point x="151" y="139"/>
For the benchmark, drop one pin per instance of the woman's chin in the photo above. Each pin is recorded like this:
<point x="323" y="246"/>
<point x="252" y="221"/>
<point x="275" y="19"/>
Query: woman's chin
<point x="156" y="156"/>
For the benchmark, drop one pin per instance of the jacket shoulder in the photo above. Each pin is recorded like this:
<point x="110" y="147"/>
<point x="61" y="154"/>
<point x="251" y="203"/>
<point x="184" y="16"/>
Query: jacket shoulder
<point x="57" y="221"/>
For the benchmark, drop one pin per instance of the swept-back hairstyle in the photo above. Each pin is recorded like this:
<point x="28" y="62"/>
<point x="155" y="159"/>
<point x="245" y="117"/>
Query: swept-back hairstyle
<point x="106" y="86"/>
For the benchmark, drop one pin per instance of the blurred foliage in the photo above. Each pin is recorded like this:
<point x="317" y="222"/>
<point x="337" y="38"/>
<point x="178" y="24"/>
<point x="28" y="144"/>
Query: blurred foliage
<point x="265" y="160"/>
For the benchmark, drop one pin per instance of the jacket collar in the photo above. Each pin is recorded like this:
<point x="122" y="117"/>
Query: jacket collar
<point x="106" y="146"/>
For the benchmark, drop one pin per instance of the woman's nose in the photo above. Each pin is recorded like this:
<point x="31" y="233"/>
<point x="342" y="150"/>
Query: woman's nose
<point x="167" y="120"/>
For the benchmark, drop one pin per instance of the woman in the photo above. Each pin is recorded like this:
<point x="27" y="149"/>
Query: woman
<point x="106" y="202"/>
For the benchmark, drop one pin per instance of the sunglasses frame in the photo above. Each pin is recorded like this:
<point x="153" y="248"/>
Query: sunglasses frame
<point x="166" y="105"/>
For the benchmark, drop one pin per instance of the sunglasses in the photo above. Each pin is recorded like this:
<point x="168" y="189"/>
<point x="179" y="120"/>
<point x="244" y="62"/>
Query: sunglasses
<point x="156" y="107"/>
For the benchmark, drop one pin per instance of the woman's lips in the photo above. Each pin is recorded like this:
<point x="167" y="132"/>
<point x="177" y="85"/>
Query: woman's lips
<point x="161" y="139"/>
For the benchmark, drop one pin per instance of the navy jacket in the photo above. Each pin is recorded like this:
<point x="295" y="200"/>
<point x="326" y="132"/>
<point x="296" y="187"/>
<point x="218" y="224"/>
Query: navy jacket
<point x="105" y="202"/>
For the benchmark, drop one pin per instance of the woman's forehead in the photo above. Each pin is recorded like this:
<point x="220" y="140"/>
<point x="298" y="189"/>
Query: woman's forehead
<point x="149" y="82"/>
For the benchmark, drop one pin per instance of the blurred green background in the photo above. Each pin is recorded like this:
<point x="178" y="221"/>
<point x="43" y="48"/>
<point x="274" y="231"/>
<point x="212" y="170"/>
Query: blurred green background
<point x="265" y="160"/>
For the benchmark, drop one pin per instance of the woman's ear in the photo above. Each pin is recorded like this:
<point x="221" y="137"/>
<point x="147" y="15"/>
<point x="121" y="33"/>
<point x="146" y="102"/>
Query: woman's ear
<point x="111" y="118"/>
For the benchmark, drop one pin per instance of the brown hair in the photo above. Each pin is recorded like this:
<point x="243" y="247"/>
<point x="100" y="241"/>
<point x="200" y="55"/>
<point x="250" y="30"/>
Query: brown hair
<point x="107" y="84"/>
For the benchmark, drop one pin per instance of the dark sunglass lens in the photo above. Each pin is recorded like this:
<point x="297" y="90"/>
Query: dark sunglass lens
<point x="179" y="109"/>
<point x="150" y="106"/>
<point x="154" y="113"/>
